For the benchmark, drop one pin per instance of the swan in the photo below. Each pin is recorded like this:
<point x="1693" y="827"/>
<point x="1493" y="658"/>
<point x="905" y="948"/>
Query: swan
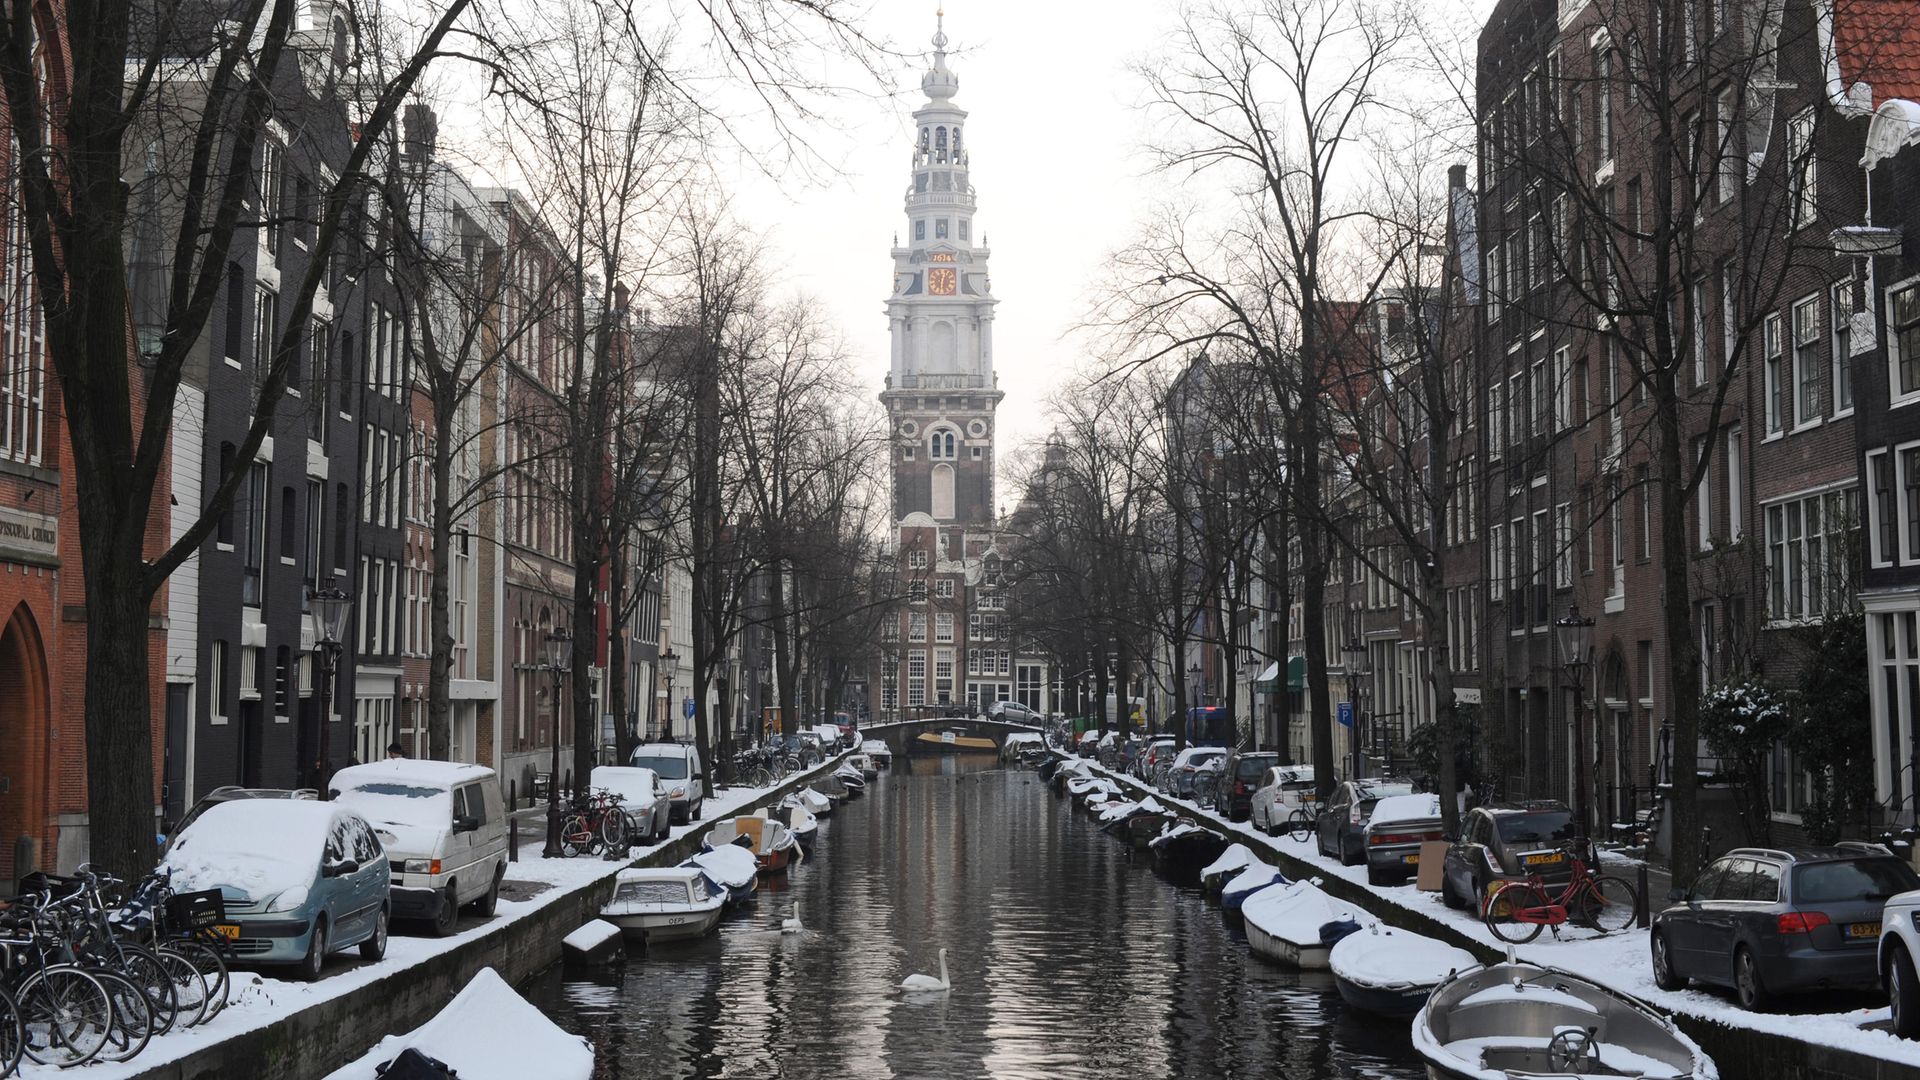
<point x="791" y="925"/>
<point x="928" y="982"/>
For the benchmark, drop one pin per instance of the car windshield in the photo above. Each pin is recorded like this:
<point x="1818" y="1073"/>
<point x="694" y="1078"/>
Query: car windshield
<point x="1856" y="879"/>
<point x="1251" y="766"/>
<point x="400" y="804"/>
<point x="1546" y="827"/>
<point x="668" y="768"/>
<point x="1296" y="785"/>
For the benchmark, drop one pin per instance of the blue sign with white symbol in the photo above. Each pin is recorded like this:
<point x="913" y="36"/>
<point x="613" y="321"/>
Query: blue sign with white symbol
<point x="687" y="708"/>
<point x="1346" y="714"/>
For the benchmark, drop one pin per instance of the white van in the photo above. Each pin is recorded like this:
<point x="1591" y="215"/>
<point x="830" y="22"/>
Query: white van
<point x="678" y="767"/>
<point x="444" y="825"/>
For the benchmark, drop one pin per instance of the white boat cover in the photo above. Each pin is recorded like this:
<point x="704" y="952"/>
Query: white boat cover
<point x="1255" y="875"/>
<point x="1296" y="911"/>
<point x="591" y="935"/>
<point x="1235" y="857"/>
<point x="730" y="865"/>
<point x="487" y="1032"/>
<point x="1383" y="958"/>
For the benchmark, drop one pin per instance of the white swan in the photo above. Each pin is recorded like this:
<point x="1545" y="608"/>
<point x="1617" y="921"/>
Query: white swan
<point x="791" y="924"/>
<point x="928" y="982"/>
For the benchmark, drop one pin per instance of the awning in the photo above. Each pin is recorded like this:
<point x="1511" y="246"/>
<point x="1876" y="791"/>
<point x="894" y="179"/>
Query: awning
<point x="1265" y="683"/>
<point x="1297" y="674"/>
<point x="1269" y="680"/>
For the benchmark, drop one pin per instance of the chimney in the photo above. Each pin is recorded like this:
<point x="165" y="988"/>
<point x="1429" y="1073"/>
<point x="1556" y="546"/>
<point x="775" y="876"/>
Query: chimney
<point x="1457" y="176"/>
<point x="422" y="130"/>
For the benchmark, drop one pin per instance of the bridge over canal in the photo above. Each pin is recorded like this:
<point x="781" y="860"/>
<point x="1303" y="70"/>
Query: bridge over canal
<point x="903" y="736"/>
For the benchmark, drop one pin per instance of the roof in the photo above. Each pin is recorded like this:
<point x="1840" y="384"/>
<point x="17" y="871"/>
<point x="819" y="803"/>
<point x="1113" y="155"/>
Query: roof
<point x="1878" y="42"/>
<point x="1815" y="854"/>
<point x="411" y="771"/>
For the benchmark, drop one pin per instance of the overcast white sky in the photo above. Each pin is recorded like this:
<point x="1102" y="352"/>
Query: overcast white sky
<point x="1053" y="134"/>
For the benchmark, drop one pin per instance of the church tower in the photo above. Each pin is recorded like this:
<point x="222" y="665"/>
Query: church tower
<point x="941" y="390"/>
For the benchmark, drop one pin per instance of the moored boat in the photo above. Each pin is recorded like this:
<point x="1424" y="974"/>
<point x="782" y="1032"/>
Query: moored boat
<point x="852" y="780"/>
<point x="953" y="742"/>
<point x="1213" y="876"/>
<point x="1390" y="972"/>
<point x="732" y="868"/>
<point x="801" y="822"/>
<point x="1251" y="879"/>
<point x="668" y="903"/>
<point x="1181" y="851"/>
<point x="773" y="847"/>
<point x="1284" y="923"/>
<point x="821" y="805"/>
<point x="864" y="762"/>
<point x="1517" y="1019"/>
<point x="487" y="1032"/>
<point x="879" y="752"/>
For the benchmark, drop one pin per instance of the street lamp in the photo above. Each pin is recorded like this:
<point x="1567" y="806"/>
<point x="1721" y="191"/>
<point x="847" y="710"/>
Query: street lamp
<point x="667" y="660"/>
<point x="559" y="662"/>
<point x="1576" y="652"/>
<point x="327" y="606"/>
<point x="1357" y="672"/>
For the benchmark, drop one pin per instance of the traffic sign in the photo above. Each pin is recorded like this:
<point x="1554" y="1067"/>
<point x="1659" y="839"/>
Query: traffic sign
<point x="686" y="707"/>
<point x="1346" y="714"/>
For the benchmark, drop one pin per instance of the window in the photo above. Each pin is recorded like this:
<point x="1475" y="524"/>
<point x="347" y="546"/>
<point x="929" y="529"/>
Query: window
<point x="1643" y="490"/>
<point x="1698" y="295"/>
<point x="1496" y="561"/>
<point x="1809" y="541"/>
<point x="1903" y="331"/>
<point x="1910" y="501"/>
<point x="1801" y="158"/>
<point x="263" y="323"/>
<point x="1736" y="506"/>
<point x="917" y="677"/>
<point x="319" y="367"/>
<point x="1776" y="389"/>
<point x="1603" y="106"/>
<point x="943" y="675"/>
<point x="1727" y="175"/>
<point x="1617" y="539"/>
<point x="940" y="229"/>
<point x="1843" y="302"/>
<point x="1563" y="546"/>
<point x="919" y="233"/>
<point x="1808" y="374"/>
<point x="219" y="705"/>
<point x="941" y="446"/>
<point x="1880" y="506"/>
<point x="1576" y="407"/>
<point x="236" y="313"/>
<point x="253" y="538"/>
<point x="250" y="672"/>
<point x="1703" y="498"/>
<point x="917" y="592"/>
<point x="943" y="626"/>
<point x="943" y="588"/>
<point x="1633" y="214"/>
<point x="315" y="494"/>
<point x="916" y="626"/>
<point x="917" y="559"/>
<point x="289" y="527"/>
<point x="270" y="181"/>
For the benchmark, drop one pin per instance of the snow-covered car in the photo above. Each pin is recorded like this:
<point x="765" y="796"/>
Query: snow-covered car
<point x="1342" y="820"/>
<point x="299" y="879"/>
<point x="642" y="796"/>
<point x="444" y="825"/>
<point x="1283" y="790"/>
<point x="679" y="768"/>
<point x="1394" y="832"/>
<point x="1153" y="757"/>
<point x="1187" y="765"/>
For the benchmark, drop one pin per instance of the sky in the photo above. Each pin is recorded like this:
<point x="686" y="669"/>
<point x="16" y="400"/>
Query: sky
<point x="1054" y="137"/>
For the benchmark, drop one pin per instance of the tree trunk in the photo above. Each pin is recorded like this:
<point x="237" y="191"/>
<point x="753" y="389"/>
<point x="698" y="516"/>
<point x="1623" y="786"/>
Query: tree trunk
<point x="618" y="618"/>
<point x="120" y="792"/>
<point x="440" y="662"/>
<point x="1683" y="656"/>
<point x="1313" y="595"/>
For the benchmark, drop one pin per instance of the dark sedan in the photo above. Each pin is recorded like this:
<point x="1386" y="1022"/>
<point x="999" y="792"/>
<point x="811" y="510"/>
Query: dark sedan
<point x="1498" y="843"/>
<point x="1233" y="797"/>
<point x="1342" y="822"/>
<point x="1767" y="921"/>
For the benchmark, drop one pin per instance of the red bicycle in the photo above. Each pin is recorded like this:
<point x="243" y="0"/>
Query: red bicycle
<point x="1517" y="910"/>
<point x="596" y="823"/>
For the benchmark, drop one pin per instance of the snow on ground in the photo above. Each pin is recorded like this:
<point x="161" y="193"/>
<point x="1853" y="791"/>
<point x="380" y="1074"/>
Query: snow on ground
<point x="260" y="998"/>
<point x="1619" y="960"/>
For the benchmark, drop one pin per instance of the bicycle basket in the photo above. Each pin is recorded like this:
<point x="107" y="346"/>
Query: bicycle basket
<point x="196" y="910"/>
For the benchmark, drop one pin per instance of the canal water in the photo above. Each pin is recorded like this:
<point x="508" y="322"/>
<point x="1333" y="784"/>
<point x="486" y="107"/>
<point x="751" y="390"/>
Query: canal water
<point x="1068" y="959"/>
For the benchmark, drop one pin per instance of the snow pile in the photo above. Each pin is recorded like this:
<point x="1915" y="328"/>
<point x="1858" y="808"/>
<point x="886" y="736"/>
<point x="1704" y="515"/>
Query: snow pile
<point x="1423" y="806"/>
<point x="1254" y="876"/>
<point x="1387" y="959"/>
<point x="487" y="1032"/>
<point x="633" y="784"/>
<point x="1235" y="857"/>
<point x="728" y="865"/>
<point x="590" y="936"/>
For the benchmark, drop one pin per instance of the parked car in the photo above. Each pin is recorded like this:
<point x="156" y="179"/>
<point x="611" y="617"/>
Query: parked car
<point x="230" y="793"/>
<point x="679" y="768"/>
<point x="1394" y="832"/>
<point x="642" y="796"/>
<point x="1502" y="842"/>
<point x="1281" y="791"/>
<point x="1242" y="771"/>
<point x="1341" y="822"/>
<point x="1178" y="779"/>
<point x="1899" y="953"/>
<point x="1773" y="921"/>
<point x="444" y="826"/>
<point x="300" y="879"/>
<point x="1152" y="757"/>
<point x="1012" y="712"/>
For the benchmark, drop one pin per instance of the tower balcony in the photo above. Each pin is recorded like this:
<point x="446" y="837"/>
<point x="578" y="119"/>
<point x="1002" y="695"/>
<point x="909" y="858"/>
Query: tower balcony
<point x="963" y="199"/>
<point x="945" y="382"/>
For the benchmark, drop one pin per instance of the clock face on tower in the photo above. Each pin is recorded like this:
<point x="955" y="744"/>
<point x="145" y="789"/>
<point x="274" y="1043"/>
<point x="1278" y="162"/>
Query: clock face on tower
<point x="940" y="281"/>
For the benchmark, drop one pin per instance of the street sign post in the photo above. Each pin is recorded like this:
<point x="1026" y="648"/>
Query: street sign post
<point x="1346" y="714"/>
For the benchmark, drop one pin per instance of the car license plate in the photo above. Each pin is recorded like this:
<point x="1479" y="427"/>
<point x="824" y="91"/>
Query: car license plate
<point x="228" y="931"/>
<point x="1863" y="930"/>
<point x="1410" y="860"/>
<point x="1547" y="858"/>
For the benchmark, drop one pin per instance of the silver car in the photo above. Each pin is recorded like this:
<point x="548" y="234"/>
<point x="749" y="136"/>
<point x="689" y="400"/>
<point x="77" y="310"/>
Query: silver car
<point x="642" y="796"/>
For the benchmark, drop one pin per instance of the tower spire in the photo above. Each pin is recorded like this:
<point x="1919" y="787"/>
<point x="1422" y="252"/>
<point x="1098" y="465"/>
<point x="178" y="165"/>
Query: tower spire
<point x="940" y="29"/>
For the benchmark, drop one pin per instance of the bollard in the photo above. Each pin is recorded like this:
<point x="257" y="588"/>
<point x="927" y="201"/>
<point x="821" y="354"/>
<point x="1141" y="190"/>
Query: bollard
<point x="513" y="827"/>
<point x="1640" y="903"/>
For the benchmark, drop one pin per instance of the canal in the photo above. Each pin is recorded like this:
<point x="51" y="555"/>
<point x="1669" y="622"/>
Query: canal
<point x="1068" y="959"/>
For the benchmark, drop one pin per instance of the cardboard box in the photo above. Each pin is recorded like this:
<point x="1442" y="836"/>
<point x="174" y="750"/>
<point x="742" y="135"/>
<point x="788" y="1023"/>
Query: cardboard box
<point x="1433" y="854"/>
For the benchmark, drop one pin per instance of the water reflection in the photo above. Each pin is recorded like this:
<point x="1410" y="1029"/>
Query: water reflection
<point x="1068" y="959"/>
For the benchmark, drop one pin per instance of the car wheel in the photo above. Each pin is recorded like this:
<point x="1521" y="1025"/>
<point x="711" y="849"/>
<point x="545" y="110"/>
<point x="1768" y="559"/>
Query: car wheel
<point x="1447" y="895"/>
<point x="375" y="947"/>
<point x="1903" y="993"/>
<point x="1348" y="858"/>
<point x="1376" y="876"/>
<point x="489" y="902"/>
<point x="448" y="916"/>
<point x="1747" y="984"/>
<point x="316" y="957"/>
<point x="1665" y="975"/>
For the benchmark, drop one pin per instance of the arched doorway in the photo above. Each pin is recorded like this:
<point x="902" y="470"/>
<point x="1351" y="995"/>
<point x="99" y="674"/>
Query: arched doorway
<point x="24" y="719"/>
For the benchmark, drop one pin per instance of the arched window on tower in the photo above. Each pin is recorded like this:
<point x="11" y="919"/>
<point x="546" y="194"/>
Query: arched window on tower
<point x="956" y="146"/>
<point x="924" y="136"/>
<point x="942" y="446"/>
<point x="943" y="492"/>
<point x="940" y="145"/>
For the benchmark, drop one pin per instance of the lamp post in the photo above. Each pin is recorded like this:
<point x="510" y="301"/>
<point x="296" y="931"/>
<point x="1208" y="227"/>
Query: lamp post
<point x="327" y="606"/>
<point x="1357" y="672"/>
<point x="1576" y="652"/>
<point x="559" y="662"/>
<point x="667" y="660"/>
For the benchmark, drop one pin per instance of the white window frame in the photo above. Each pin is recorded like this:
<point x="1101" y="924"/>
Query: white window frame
<point x="1840" y="345"/>
<point x="1895" y="397"/>
<point x="1703" y="496"/>
<point x="1877" y="554"/>
<point x="1806" y="362"/>
<point x="1773" y="393"/>
<point x="1736" y="504"/>
<point x="1903" y="536"/>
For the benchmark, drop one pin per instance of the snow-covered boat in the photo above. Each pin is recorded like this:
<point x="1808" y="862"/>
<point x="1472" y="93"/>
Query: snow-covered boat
<point x="1390" y="972"/>
<point x="851" y="779"/>
<point x="1253" y="877"/>
<point x="670" y="903"/>
<point x="1184" y="849"/>
<point x="864" y="763"/>
<point x="772" y="845"/>
<point x="1019" y="742"/>
<point x="1214" y="875"/>
<point x="802" y="822"/>
<point x="1285" y="923"/>
<point x="1081" y="786"/>
<point x="879" y="752"/>
<point x="487" y="1032"/>
<point x="819" y="804"/>
<point x="732" y="868"/>
<point x="1516" y="1019"/>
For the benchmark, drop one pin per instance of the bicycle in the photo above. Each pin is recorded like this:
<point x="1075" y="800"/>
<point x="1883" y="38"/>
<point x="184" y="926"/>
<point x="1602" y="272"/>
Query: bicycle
<point x="1302" y="824"/>
<point x="597" y="823"/>
<point x="1517" y="911"/>
<point x="66" y="1014"/>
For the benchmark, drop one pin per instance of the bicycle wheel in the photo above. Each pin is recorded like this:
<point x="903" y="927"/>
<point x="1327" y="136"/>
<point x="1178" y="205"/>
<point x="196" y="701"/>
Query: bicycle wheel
<point x="12" y="1037"/>
<point x="576" y="837"/>
<point x="133" y="1017"/>
<point x="212" y="966"/>
<point x="1507" y="899"/>
<point x="65" y="1015"/>
<point x="1608" y="905"/>
<point x="150" y="974"/>
<point x="1203" y="789"/>
<point x="189" y="987"/>
<point x="616" y="828"/>
<point x="759" y="777"/>
<point x="1300" y="824"/>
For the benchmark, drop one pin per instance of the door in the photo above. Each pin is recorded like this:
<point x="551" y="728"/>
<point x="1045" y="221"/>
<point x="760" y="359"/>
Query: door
<point x="1688" y="933"/>
<point x="458" y="860"/>
<point x="1466" y="856"/>
<point x="173" y="780"/>
<point x="1332" y="817"/>
<point x="371" y="882"/>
